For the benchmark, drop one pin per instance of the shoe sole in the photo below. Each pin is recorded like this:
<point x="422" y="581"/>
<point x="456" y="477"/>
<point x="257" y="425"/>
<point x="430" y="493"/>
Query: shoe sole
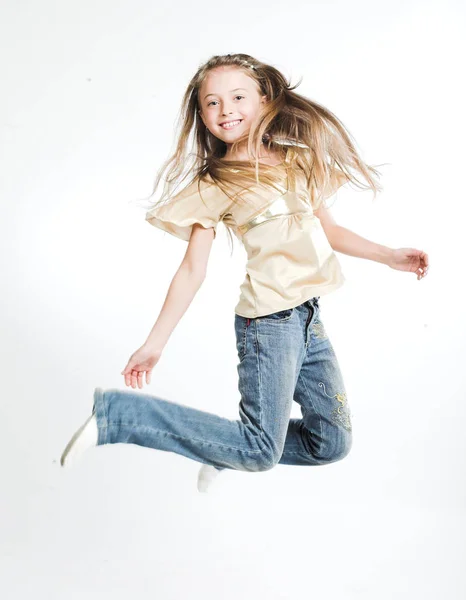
<point x="72" y="441"/>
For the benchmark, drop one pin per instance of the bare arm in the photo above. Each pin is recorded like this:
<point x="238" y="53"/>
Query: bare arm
<point x="347" y="242"/>
<point x="184" y="286"/>
<point x="343" y="240"/>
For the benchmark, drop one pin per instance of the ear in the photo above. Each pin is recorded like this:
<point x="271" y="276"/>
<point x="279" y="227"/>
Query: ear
<point x="264" y="99"/>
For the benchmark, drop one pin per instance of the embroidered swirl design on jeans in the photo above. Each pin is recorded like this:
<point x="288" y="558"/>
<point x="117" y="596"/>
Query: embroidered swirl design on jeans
<point x="318" y="330"/>
<point x="341" y="413"/>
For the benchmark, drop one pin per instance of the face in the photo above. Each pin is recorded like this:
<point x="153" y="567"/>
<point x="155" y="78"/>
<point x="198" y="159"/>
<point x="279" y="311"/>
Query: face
<point x="228" y="95"/>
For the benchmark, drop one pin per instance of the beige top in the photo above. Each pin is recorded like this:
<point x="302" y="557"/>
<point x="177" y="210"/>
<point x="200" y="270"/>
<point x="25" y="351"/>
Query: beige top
<point x="290" y="259"/>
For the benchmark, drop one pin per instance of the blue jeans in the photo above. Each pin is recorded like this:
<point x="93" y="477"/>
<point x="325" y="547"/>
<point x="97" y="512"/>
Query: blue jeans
<point x="283" y="356"/>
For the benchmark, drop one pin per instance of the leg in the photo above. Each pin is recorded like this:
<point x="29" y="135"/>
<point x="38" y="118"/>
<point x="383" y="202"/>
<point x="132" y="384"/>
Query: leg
<point x="324" y="434"/>
<point x="252" y="443"/>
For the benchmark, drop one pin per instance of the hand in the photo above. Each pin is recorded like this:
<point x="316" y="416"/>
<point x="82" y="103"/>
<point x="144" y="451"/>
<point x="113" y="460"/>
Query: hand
<point x="410" y="259"/>
<point x="143" y="360"/>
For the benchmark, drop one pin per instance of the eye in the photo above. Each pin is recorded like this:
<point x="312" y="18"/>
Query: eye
<point x="212" y="101"/>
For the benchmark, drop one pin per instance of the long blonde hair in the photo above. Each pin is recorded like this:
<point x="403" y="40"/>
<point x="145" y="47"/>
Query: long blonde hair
<point x="307" y="136"/>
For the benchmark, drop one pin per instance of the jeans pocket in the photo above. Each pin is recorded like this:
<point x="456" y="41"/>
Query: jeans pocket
<point x="281" y="315"/>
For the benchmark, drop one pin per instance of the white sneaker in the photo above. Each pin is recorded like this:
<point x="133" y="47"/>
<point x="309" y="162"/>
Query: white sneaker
<point x="85" y="437"/>
<point x="207" y="475"/>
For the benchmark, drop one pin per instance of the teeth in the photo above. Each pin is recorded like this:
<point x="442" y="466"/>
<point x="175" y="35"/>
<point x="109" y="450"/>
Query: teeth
<point x="231" y="124"/>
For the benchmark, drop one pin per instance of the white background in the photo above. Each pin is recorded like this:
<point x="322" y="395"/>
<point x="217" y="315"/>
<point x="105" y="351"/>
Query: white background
<point x="90" y="95"/>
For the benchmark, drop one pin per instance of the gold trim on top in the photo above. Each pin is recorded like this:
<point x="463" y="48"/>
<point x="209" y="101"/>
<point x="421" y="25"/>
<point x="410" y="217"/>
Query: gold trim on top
<point x="284" y="205"/>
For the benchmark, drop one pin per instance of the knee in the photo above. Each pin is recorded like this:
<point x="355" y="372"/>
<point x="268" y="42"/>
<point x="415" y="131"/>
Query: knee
<point x="263" y="461"/>
<point x="344" y="448"/>
<point x="339" y="449"/>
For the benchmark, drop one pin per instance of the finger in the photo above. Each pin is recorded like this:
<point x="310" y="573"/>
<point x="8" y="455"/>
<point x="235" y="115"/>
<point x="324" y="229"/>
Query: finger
<point x="134" y="378"/>
<point x="140" y="376"/>
<point x="127" y="372"/>
<point x="148" y="376"/>
<point x="128" y="368"/>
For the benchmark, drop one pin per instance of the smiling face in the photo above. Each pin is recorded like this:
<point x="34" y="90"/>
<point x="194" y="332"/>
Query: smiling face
<point x="229" y="102"/>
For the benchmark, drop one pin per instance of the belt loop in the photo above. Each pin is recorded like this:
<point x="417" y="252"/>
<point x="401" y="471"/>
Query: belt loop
<point x="248" y="322"/>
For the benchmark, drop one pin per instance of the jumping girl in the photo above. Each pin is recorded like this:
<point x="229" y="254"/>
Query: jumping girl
<point x="265" y="161"/>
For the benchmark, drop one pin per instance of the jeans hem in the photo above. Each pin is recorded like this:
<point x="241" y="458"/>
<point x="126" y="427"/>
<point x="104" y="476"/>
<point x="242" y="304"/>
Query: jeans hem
<point x="100" y="410"/>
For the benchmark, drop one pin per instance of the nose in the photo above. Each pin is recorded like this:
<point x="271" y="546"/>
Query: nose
<point x="226" y="109"/>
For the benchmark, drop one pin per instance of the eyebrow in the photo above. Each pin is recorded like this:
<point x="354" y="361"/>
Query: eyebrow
<point x="235" y="90"/>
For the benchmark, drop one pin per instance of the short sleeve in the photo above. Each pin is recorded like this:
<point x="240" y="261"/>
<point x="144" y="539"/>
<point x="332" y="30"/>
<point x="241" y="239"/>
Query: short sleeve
<point x="182" y="211"/>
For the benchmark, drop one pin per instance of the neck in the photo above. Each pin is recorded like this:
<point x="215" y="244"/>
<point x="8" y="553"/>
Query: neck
<point x="241" y="153"/>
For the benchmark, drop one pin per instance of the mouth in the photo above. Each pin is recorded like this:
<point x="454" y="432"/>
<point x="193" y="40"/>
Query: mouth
<point x="230" y="124"/>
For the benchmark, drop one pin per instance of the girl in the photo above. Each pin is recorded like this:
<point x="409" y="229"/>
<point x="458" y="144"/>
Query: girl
<point x="266" y="161"/>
